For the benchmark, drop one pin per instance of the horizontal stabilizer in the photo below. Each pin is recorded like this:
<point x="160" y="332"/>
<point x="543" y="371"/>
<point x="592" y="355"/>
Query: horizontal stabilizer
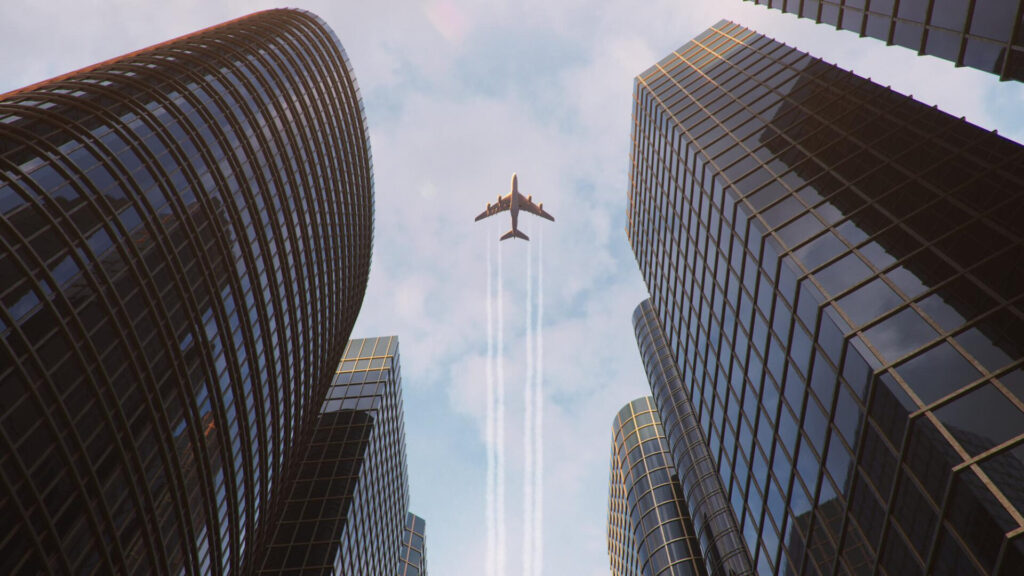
<point x="515" y="234"/>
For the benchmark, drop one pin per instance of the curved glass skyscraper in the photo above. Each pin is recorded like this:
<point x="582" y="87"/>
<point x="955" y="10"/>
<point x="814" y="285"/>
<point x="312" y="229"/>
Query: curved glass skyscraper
<point x="649" y="528"/>
<point x="185" y="239"/>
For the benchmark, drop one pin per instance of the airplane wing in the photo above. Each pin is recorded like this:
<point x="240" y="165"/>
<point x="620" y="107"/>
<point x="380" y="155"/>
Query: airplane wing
<point x="492" y="209"/>
<point x="529" y="206"/>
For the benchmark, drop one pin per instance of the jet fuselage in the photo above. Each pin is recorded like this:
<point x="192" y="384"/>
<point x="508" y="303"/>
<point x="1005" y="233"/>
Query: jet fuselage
<point x="514" y="206"/>
<point x="514" y="202"/>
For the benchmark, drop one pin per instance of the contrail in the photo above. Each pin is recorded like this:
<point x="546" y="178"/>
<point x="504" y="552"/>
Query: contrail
<point x="489" y="435"/>
<point x="500" y="432"/>
<point x="538" y="422"/>
<point x="528" y="480"/>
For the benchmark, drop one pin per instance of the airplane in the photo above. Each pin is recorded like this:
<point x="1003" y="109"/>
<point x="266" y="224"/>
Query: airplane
<point x="514" y="202"/>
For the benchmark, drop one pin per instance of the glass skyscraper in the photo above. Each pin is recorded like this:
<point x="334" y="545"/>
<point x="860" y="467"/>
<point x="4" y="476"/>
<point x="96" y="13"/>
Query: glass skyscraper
<point x="185" y="238"/>
<point x="413" y="556"/>
<point x="346" y="513"/>
<point x="649" y="527"/>
<point x="983" y="34"/>
<point x="835" y="274"/>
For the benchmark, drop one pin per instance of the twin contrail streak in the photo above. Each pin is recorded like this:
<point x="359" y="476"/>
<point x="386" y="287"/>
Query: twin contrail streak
<point x="533" y="395"/>
<point x="500" y="432"/>
<point x="528" y="479"/>
<point x="533" y="407"/>
<point x="538" y="419"/>
<point x="492" y="535"/>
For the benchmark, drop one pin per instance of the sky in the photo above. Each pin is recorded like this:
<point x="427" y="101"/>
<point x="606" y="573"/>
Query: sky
<point x="459" y="95"/>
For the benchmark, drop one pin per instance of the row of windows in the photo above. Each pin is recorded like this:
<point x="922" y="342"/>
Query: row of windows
<point x="977" y="33"/>
<point x="414" y="552"/>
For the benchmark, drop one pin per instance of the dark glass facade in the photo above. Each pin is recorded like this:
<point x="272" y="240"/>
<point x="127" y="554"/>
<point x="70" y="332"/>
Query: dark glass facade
<point x="413" y="556"/>
<point x="346" y="511"/>
<point x="185" y="238"/>
<point x="983" y="34"/>
<point x="836" y="273"/>
<point x="649" y="528"/>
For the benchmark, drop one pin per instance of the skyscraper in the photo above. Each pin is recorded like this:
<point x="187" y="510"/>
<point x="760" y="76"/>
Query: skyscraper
<point x="185" y="237"/>
<point x="835" y="271"/>
<point x="987" y="35"/>
<point x="649" y="527"/>
<point x="413" y="556"/>
<point x="346" y="512"/>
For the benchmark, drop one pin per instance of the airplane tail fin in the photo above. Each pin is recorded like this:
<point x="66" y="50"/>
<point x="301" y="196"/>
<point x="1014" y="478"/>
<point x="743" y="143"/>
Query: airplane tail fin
<point x="515" y="234"/>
